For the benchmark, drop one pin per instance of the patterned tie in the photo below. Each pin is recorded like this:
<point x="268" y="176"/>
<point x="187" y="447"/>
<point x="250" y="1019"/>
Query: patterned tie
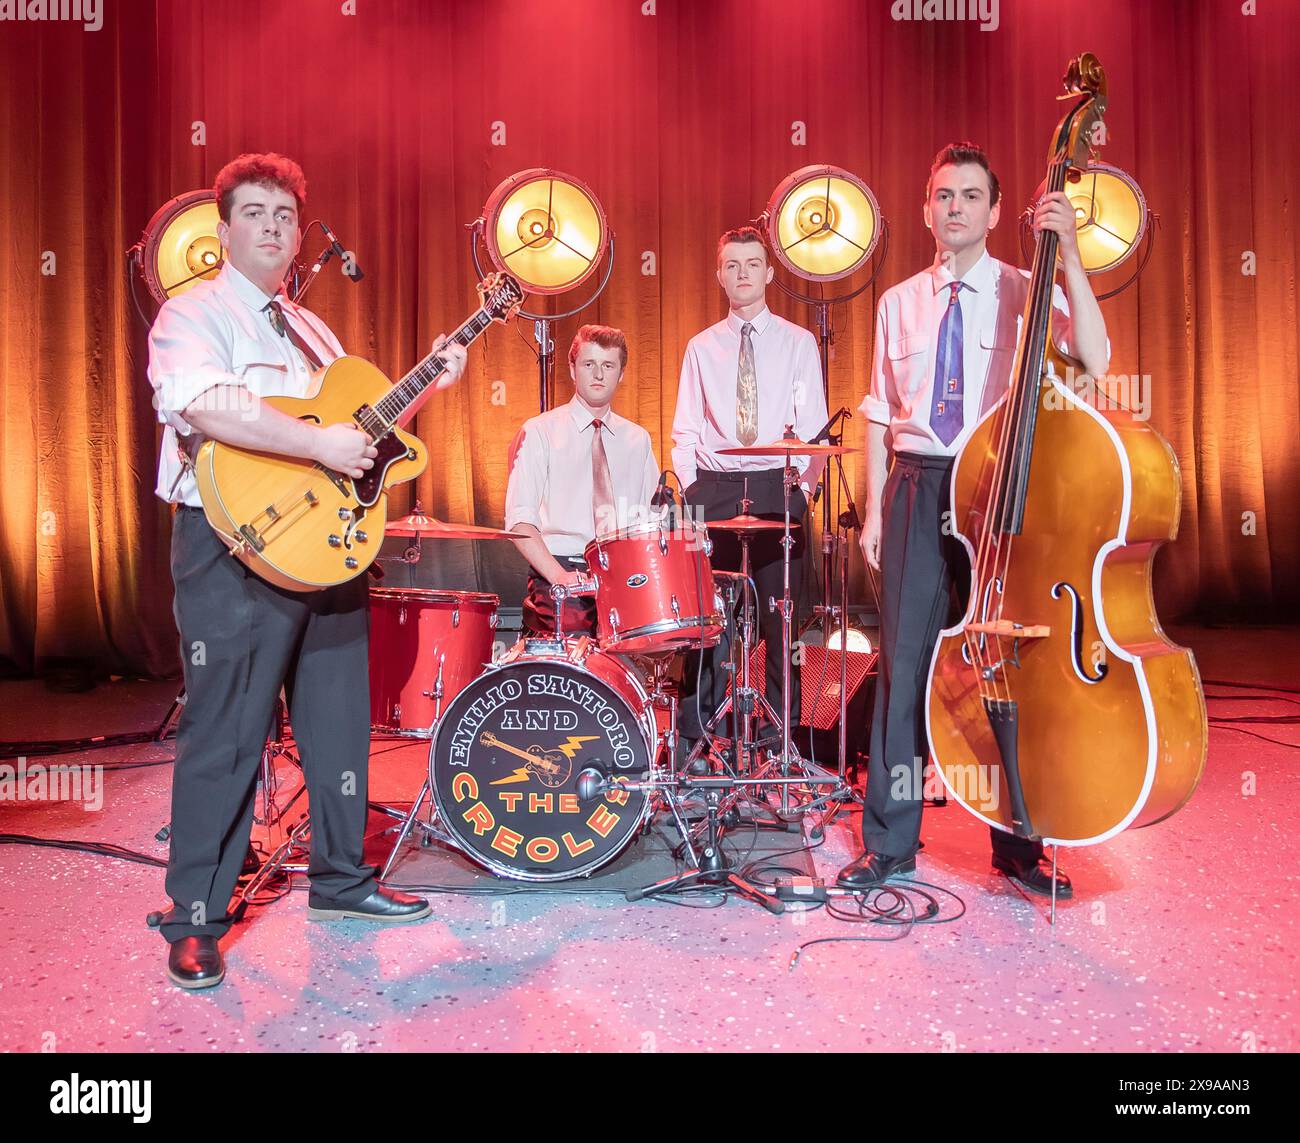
<point x="946" y="410"/>
<point x="746" y="390"/>
<point x="602" y="498"/>
<point x="281" y="326"/>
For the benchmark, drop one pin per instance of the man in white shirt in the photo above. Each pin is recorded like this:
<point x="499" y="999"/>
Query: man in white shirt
<point x="577" y="472"/>
<point x="945" y="343"/>
<point x="214" y="351"/>
<point x="743" y="381"/>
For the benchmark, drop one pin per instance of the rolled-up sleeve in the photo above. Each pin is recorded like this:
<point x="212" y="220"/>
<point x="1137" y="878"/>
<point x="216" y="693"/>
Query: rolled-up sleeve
<point x="527" y="484"/>
<point x="189" y="353"/>
<point x="875" y="405"/>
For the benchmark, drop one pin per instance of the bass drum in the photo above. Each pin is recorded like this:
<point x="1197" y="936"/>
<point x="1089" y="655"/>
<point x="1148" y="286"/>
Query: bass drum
<point x="507" y="755"/>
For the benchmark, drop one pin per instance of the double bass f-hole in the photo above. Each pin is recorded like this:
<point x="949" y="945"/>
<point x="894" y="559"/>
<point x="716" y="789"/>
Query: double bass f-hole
<point x="1076" y="634"/>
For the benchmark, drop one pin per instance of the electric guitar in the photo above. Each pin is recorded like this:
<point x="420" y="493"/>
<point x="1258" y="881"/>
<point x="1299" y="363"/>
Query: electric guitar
<point x="300" y="525"/>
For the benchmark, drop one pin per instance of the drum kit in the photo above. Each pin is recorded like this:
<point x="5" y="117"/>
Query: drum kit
<point x="545" y="762"/>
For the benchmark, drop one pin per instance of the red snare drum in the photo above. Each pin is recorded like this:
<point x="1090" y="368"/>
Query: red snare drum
<point x="654" y="589"/>
<point x="421" y="641"/>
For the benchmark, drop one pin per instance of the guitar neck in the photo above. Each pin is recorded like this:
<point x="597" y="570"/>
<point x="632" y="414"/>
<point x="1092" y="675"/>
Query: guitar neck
<point x="394" y="404"/>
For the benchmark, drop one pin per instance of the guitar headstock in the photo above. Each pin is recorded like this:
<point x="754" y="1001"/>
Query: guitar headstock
<point x="1083" y="128"/>
<point x="501" y="295"/>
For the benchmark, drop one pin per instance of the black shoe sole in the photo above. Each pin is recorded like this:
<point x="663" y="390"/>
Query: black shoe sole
<point x="383" y="919"/>
<point x="908" y="866"/>
<point x="191" y="985"/>
<point x="1062" y="894"/>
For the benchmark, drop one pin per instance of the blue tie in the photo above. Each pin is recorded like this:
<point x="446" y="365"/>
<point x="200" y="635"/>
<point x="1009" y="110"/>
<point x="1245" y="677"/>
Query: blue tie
<point x="946" y="412"/>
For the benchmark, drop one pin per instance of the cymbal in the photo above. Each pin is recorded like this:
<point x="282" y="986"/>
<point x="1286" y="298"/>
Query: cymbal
<point x="789" y="448"/>
<point x="745" y="523"/>
<point x="426" y="527"/>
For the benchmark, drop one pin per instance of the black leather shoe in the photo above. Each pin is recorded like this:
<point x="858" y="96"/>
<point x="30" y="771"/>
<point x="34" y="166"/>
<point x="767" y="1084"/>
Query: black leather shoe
<point x="871" y="869"/>
<point x="195" y="962"/>
<point x="389" y="905"/>
<point x="1035" y="877"/>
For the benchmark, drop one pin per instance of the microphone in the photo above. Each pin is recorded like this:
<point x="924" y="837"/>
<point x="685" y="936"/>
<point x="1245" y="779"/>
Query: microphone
<point x="663" y="494"/>
<point x="591" y="782"/>
<point x="350" y="267"/>
<point x="825" y="433"/>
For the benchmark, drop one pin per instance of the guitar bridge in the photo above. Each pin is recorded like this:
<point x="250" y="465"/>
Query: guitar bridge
<point x="248" y="538"/>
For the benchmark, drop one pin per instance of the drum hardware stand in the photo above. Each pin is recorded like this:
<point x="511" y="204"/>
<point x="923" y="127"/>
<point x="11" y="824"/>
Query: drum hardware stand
<point x="710" y="868"/>
<point x="270" y="782"/>
<point x="849" y="524"/>
<point x="428" y="831"/>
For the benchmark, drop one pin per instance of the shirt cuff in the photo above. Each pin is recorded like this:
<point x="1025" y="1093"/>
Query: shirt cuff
<point x="517" y="516"/>
<point x="875" y="410"/>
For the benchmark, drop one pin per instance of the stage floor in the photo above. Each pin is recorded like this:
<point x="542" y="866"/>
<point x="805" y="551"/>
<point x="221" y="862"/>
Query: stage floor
<point x="1179" y="938"/>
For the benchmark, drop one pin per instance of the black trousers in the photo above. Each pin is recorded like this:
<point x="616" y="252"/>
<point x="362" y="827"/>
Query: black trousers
<point x="925" y="580"/>
<point x="717" y="496"/>
<point x="241" y="640"/>
<point x="539" y="606"/>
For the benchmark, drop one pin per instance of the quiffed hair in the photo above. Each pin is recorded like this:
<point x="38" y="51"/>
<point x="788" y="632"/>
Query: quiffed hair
<point x="269" y="170"/>
<point x="743" y="234"/>
<point x="958" y="153"/>
<point x="606" y="336"/>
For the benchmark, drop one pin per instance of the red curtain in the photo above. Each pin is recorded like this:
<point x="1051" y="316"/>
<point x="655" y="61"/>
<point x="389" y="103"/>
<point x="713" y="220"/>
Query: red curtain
<point x="682" y="115"/>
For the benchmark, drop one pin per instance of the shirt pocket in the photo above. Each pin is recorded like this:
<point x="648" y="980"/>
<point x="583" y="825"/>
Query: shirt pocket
<point x="262" y="369"/>
<point x="908" y="363"/>
<point x="1001" y="351"/>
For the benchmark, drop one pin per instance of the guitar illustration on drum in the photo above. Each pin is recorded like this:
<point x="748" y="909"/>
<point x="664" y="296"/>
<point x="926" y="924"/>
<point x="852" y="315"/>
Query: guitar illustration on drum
<point x="551" y="767"/>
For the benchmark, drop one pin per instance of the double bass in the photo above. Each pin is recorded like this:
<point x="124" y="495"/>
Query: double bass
<point x="1057" y="708"/>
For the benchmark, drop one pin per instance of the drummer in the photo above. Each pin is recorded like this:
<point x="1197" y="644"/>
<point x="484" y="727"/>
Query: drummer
<point x="577" y="472"/>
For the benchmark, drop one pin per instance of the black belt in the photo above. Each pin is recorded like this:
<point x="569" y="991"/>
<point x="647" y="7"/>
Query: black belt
<point x="709" y="476"/>
<point x="924" y="460"/>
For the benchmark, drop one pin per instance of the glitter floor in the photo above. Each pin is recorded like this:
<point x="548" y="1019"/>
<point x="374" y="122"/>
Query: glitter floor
<point x="1179" y="938"/>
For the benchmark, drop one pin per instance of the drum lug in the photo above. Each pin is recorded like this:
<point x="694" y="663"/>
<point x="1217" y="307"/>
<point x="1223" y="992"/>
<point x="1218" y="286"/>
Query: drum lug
<point x="495" y="621"/>
<point x="708" y="545"/>
<point x="401" y="616"/>
<point x="613" y="619"/>
<point x="455" y="617"/>
<point x="603" y="558"/>
<point x="663" y="542"/>
<point x="677" y="611"/>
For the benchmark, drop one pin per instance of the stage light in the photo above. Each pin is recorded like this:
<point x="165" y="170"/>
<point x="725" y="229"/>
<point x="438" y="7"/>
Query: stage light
<point x="822" y="223"/>
<point x="180" y="247"/>
<point x="1111" y="216"/>
<point x="858" y="641"/>
<point x="546" y="229"/>
<point x="1111" y="220"/>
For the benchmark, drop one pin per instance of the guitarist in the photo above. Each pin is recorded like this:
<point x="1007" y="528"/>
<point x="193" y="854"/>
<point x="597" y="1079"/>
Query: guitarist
<point x="945" y="343"/>
<point x="213" y="352"/>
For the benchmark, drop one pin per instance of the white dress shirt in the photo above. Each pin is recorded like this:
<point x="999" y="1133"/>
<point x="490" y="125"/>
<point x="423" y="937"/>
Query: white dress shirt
<point x="901" y="392"/>
<point x="551" y="483"/>
<point x="788" y="369"/>
<point x="216" y="334"/>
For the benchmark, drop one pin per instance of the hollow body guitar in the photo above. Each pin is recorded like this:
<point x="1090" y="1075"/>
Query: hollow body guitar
<point x="1057" y="708"/>
<point x="300" y="525"/>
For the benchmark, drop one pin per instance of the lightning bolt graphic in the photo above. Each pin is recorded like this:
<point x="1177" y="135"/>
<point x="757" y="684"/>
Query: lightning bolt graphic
<point x="574" y="743"/>
<point x="520" y="775"/>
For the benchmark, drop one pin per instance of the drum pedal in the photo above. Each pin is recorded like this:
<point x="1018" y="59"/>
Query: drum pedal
<point x="800" y="889"/>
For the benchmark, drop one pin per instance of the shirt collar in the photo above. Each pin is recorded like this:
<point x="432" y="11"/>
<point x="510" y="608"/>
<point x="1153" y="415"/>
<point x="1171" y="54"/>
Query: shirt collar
<point x="583" y="418"/>
<point x="978" y="277"/>
<point x="248" y="293"/>
<point x="759" y="321"/>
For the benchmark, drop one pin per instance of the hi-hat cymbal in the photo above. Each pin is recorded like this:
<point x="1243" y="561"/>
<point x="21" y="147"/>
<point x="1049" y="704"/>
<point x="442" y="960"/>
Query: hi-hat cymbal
<point x="427" y="528"/>
<point x="789" y="448"/>
<point x="744" y="523"/>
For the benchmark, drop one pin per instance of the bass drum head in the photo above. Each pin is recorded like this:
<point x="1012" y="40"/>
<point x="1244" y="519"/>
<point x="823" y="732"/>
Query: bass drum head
<point x="504" y="768"/>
